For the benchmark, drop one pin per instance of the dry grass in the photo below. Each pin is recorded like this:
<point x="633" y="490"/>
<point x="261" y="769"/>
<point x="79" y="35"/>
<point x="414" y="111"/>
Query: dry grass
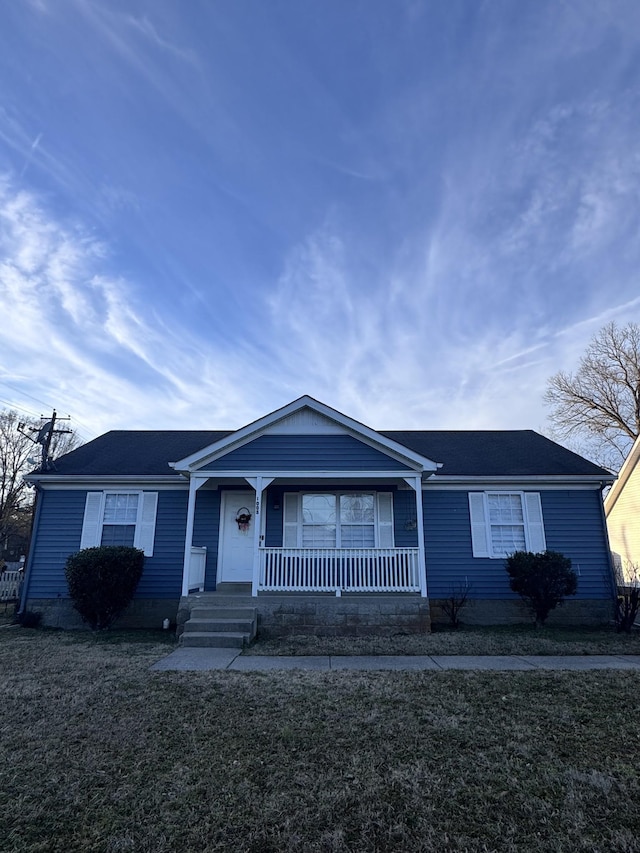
<point x="100" y="754"/>
<point x="491" y="640"/>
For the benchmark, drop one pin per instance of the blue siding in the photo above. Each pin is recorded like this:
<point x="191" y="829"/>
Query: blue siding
<point x="306" y="453"/>
<point x="162" y="576"/>
<point x="573" y="526"/>
<point x="206" y="529"/>
<point x="274" y="509"/>
<point x="404" y="513"/>
<point x="58" y="536"/>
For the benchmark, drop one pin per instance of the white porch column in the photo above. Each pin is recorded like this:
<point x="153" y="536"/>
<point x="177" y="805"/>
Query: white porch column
<point x="194" y="485"/>
<point x="416" y="485"/>
<point x="259" y="483"/>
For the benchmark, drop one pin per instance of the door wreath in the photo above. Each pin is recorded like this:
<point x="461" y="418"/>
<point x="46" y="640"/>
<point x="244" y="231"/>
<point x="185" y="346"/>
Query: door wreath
<point x="243" y="517"/>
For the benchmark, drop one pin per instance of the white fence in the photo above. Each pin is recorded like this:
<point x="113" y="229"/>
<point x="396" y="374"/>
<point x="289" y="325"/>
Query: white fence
<point x="339" y="570"/>
<point x="197" y="566"/>
<point x="10" y="583"/>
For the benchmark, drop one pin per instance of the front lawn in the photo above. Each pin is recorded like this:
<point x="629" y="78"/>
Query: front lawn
<point x="100" y="754"/>
<point x="467" y="640"/>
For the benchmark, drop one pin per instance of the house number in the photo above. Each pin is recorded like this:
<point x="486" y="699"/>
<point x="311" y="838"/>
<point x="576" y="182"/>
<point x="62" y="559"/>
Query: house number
<point x="257" y="506"/>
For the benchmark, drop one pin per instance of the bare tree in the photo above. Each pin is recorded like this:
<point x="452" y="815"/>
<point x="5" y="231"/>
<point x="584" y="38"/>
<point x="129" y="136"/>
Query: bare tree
<point x="599" y="405"/>
<point x="16" y="449"/>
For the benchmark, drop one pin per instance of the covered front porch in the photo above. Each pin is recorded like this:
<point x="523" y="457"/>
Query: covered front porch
<point x="320" y="534"/>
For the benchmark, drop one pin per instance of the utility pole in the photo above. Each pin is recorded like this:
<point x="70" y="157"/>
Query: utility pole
<point x="45" y="435"/>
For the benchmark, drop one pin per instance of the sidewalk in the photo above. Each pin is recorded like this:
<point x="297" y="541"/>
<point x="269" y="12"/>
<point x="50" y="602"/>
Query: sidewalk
<point x="194" y="659"/>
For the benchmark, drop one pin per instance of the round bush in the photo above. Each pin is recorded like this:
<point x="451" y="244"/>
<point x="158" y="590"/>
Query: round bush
<point x="543" y="580"/>
<point x="102" y="582"/>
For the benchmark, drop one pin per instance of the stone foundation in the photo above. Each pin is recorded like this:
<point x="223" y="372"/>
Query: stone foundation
<point x="329" y="615"/>
<point x="141" y="613"/>
<point x="324" y="615"/>
<point x="513" y="612"/>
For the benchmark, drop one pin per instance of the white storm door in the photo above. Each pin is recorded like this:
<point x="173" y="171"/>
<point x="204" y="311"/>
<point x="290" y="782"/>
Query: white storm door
<point x="235" y="552"/>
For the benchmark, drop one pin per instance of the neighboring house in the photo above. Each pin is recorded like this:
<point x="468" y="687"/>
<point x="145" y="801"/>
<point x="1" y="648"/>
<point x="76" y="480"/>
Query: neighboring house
<point x="320" y="522"/>
<point x="622" y="509"/>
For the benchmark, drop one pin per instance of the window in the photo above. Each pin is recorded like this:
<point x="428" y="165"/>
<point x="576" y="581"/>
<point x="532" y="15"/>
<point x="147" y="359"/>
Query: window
<point x="120" y="518"/>
<point x="504" y="522"/>
<point x="338" y="520"/>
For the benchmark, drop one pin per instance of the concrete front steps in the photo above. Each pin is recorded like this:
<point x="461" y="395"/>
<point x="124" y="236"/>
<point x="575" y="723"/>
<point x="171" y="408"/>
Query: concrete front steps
<point x="220" y="626"/>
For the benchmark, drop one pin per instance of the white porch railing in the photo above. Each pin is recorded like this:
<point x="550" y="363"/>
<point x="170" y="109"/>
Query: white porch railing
<point x="197" y="565"/>
<point x="10" y="583"/>
<point x="339" y="570"/>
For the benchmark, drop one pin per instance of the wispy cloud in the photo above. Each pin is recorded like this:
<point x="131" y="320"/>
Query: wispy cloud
<point x="149" y="31"/>
<point x="417" y="229"/>
<point x="86" y="340"/>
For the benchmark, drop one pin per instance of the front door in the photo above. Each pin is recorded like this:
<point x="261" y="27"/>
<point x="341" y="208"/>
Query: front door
<point x="235" y="554"/>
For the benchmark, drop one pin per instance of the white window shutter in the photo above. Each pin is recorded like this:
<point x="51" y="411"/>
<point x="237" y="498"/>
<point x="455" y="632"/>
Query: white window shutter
<point x="535" y="525"/>
<point x="479" y="536"/>
<point x="290" y="520"/>
<point x="385" y="520"/>
<point x="146" y="526"/>
<point x="92" y="521"/>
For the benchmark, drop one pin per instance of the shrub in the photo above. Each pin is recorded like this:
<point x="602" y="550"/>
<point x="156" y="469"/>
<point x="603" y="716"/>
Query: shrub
<point x="456" y="601"/>
<point x="102" y="582"/>
<point x="627" y="596"/>
<point x="29" y="619"/>
<point x="543" y="580"/>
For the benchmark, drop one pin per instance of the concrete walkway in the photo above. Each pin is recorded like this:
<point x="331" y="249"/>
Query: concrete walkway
<point x="195" y="659"/>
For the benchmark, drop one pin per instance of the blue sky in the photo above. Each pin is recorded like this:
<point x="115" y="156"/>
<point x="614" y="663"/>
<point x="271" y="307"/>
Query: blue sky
<point x="414" y="211"/>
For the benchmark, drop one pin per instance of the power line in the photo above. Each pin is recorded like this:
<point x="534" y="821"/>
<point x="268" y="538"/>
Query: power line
<point x="24" y="394"/>
<point x="30" y="412"/>
<point x="34" y="414"/>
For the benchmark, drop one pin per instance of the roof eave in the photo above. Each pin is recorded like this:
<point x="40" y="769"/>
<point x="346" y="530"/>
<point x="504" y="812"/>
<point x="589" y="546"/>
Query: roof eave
<point x="625" y="472"/>
<point x="534" y="479"/>
<point x="97" y="479"/>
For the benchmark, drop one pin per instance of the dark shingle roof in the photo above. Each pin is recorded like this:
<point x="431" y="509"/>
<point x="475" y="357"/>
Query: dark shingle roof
<point x="129" y="452"/>
<point x="496" y="453"/>
<point x="471" y="453"/>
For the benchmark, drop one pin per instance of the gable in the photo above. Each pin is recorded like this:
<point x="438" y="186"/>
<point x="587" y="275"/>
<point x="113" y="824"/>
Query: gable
<point x="287" y="427"/>
<point x="305" y="421"/>
<point x="324" y="452"/>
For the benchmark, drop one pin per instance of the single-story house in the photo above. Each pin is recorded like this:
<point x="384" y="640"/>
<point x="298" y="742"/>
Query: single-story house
<point x="622" y="510"/>
<point x="316" y="522"/>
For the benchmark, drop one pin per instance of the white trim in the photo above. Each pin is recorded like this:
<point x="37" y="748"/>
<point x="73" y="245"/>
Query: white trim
<point x="561" y="481"/>
<point x="534" y="527"/>
<point x="97" y="483"/>
<point x="145" y="531"/>
<point x="623" y="475"/>
<point x="422" y="560"/>
<point x="351" y="474"/>
<point x="482" y="483"/>
<point x="385" y="527"/>
<point x="258" y="532"/>
<point x="251" y="431"/>
<point x="188" y="536"/>
<point x="92" y="519"/>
